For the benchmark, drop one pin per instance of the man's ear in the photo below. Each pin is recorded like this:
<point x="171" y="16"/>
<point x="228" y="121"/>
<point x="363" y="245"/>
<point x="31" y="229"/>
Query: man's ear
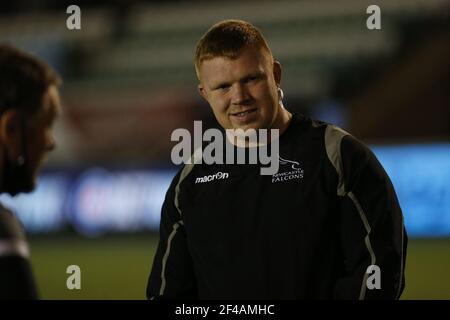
<point x="10" y="132"/>
<point x="202" y="92"/>
<point x="277" y="72"/>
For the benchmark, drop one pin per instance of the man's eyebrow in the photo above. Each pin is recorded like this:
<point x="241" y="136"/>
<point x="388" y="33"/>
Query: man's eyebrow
<point x="257" y="74"/>
<point x="220" y="84"/>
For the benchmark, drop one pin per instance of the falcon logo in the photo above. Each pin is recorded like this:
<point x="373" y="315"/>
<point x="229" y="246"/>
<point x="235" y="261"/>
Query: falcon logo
<point x="294" y="171"/>
<point x="294" y="164"/>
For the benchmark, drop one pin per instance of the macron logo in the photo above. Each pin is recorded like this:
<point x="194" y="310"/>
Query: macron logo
<point x="211" y="177"/>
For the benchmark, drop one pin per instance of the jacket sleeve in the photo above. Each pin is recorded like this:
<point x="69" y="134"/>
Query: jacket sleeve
<point x="372" y="234"/>
<point x="172" y="275"/>
<point x="16" y="277"/>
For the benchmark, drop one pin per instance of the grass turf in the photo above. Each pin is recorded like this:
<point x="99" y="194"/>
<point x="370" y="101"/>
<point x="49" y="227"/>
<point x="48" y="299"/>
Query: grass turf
<point x="117" y="267"/>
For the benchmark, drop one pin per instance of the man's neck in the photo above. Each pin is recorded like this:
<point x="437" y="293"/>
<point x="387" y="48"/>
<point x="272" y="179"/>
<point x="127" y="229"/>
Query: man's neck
<point x="282" y="121"/>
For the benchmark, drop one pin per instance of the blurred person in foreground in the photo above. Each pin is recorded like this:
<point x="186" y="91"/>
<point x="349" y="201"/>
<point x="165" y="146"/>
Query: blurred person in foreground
<point x="29" y="104"/>
<point x="310" y="231"/>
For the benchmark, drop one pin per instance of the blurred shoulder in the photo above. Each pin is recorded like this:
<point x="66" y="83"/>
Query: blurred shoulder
<point x="10" y="226"/>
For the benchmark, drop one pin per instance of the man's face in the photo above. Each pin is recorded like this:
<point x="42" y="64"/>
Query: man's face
<point x="39" y="132"/>
<point x="242" y="92"/>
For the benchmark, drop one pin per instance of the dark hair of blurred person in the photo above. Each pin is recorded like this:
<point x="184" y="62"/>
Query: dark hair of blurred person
<point x="29" y="104"/>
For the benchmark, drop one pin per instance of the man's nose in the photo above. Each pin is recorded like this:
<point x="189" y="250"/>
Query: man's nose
<point x="240" y="94"/>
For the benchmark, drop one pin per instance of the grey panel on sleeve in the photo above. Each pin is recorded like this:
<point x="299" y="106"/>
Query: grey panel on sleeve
<point x="333" y="139"/>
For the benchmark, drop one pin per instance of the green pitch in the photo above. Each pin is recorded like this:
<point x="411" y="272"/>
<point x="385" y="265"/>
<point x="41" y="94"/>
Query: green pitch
<point x="117" y="267"/>
<point x="112" y="267"/>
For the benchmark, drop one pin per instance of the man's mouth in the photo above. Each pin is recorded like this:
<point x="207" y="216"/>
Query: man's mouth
<point x="243" y="113"/>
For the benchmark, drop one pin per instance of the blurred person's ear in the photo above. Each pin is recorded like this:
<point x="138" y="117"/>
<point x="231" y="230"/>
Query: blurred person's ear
<point x="277" y="72"/>
<point x="11" y="132"/>
<point x="202" y="92"/>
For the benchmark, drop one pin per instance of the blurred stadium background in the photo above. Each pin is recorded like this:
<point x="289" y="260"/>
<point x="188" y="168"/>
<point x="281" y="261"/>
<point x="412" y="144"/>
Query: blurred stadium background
<point x="129" y="82"/>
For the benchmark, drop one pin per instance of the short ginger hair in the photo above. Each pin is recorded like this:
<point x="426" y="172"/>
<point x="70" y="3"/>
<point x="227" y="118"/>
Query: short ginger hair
<point x="228" y="38"/>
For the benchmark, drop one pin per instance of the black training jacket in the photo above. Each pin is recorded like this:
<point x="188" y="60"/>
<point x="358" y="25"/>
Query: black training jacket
<point x="311" y="231"/>
<point x="16" y="278"/>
